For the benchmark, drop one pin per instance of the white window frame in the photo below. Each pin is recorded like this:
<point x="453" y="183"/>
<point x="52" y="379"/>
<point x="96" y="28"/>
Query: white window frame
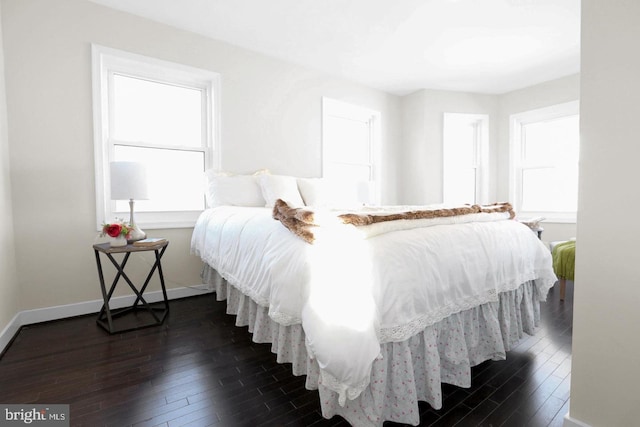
<point x="107" y="61"/>
<point x="481" y="155"/>
<point x="516" y="162"/>
<point x="337" y="108"/>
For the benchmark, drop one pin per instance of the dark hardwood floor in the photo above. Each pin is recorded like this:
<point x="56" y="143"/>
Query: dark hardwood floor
<point x="198" y="369"/>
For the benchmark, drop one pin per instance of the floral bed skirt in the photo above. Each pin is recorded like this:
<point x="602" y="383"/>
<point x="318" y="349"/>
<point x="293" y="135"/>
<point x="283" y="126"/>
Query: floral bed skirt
<point x="408" y="371"/>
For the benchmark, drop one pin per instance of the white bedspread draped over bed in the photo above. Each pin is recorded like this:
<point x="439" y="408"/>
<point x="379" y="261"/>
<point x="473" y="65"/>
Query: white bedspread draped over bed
<point x="353" y="294"/>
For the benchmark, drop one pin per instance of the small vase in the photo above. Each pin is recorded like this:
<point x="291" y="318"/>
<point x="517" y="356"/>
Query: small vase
<point x="119" y="241"/>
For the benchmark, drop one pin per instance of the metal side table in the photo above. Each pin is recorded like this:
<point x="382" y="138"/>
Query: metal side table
<point x="142" y="314"/>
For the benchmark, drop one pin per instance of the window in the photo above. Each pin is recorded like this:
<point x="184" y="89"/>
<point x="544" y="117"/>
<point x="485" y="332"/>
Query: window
<point x="164" y="115"/>
<point x="349" y="135"/>
<point x="465" y="155"/>
<point x="545" y="147"/>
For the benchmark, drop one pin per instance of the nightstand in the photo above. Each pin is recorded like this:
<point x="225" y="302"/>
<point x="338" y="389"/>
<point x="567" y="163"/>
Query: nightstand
<point x="141" y="314"/>
<point x="538" y="230"/>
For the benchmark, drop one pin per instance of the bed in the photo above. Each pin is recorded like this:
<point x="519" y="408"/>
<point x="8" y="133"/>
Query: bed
<point x="378" y="314"/>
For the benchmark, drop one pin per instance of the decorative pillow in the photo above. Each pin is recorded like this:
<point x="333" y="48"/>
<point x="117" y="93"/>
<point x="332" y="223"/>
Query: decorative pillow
<point x="276" y="187"/>
<point x="235" y="190"/>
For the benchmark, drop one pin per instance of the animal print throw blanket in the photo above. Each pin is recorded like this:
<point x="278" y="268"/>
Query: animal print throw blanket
<point x="308" y="223"/>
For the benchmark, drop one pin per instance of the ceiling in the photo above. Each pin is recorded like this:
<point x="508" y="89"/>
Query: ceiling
<point x="399" y="46"/>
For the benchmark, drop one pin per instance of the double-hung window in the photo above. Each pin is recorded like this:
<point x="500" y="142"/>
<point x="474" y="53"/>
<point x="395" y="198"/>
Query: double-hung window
<point x="465" y="158"/>
<point x="163" y="115"/>
<point x="545" y="147"/>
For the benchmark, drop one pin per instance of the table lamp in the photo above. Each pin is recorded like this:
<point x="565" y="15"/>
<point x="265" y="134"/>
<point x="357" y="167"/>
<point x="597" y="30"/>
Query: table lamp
<point x="129" y="182"/>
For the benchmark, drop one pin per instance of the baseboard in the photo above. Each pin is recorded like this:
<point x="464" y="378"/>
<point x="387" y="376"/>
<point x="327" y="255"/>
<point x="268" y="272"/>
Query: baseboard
<point x="572" y="422"/>
<point x="9" y="332"/>
<point x="28" y="317"/>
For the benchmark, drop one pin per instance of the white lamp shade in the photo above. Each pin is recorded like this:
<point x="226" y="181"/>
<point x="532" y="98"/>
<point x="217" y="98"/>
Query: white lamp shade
<point x="128" y="181"/>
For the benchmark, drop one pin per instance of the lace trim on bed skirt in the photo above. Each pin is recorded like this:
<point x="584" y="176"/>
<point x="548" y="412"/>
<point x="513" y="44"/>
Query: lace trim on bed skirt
<point x="213" y="280"/>
<point x="402" y="332"/>
<point x="409" y="371"/>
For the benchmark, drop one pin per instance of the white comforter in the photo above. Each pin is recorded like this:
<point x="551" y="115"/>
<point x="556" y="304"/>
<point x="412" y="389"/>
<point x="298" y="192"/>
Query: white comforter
<point x="352" y="293"/>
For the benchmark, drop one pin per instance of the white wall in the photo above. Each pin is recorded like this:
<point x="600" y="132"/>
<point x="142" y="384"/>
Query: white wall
<point x="271" y="113"/>
<point x="542" y="95"/>
<point x="413" y="152"/>
<point x="9" y="291"/>
<point x="605" y="372"/>
<point x="420" y="169"/>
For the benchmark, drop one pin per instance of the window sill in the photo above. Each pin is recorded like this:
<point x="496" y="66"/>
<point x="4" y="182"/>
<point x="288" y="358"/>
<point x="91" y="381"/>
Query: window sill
<point x="558" y="221"/>
<point x="165" y="225"/>
<point x="160" y="220"/>
<point x="548" y="217"/>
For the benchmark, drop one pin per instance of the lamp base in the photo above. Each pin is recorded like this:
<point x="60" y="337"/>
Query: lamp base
<point x="136" y="234"/>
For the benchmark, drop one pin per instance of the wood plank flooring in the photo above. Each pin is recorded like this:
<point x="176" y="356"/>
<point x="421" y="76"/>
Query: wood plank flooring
<point x="198" y="369"/>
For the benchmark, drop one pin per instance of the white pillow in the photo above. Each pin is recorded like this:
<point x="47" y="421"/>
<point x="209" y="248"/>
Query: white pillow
<point x="315" y="191"/>
<point x="322" y="192"/>
<point x="234" y="190"/>
<point x="276" y="187"/>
